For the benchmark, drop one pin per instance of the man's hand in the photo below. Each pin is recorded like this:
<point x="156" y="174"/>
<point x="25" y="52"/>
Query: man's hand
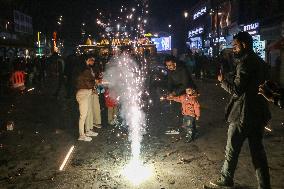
<point x="197" y="118"/>
<point x="220" y="76"/>
<point x="266" y="94"/>
<point x="163" y="98"/>
<point x="97" y="81"/>
<point x="94" y="91"/>
<point x="170" y="97"/>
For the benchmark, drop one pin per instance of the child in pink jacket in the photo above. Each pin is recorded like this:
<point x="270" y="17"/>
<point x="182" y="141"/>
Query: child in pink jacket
<point x="190" y="111"/>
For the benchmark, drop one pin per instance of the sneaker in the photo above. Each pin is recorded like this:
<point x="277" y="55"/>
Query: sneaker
<point x="222" y="183"/>
<point x="188" y="139"/>
<point x="98" y="126"/>
<point x="113" y="122"/>
<point x="172" y="132"/>
<point x="85" y="138"/>
<point x="91" y="134"/>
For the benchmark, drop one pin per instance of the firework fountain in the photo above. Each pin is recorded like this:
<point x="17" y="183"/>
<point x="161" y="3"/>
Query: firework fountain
<point x="126" y="84"/>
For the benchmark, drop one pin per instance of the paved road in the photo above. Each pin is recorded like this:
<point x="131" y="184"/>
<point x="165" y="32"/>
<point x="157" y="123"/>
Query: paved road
<point x="45" y="129"/>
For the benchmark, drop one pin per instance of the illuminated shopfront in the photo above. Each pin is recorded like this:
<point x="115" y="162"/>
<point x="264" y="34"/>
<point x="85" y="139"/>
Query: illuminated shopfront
<point x="258" y="44"/>
<point x="194" y="41"/>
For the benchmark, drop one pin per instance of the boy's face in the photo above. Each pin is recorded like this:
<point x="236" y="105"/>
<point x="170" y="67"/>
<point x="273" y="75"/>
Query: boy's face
<point x="189" y="91"/>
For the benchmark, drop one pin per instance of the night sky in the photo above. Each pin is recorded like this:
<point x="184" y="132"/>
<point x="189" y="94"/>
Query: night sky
<point x="46" y="12"/>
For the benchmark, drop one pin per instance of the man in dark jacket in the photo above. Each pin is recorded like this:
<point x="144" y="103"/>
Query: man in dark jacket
<point x="178" y="77"/>
<point x="247" y="112"/>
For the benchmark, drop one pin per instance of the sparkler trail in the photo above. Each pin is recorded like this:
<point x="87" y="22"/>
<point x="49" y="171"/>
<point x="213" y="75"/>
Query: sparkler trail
<point x="126" y="84"/>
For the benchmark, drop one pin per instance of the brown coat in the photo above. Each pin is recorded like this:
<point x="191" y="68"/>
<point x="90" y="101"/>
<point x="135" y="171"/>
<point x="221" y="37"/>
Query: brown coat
<point x="86" y="79"/>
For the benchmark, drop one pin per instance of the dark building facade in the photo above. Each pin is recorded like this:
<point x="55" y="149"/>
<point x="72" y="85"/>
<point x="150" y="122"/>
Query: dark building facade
<point x="213" y="24"/>
<point x="200" y="27"/>
<point x="16" y="31"/>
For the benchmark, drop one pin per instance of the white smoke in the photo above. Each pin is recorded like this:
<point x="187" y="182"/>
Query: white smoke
<point x="126" y="83"/>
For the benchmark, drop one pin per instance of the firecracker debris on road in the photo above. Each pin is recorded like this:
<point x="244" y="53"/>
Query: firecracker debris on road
<point x="44" y="129"/>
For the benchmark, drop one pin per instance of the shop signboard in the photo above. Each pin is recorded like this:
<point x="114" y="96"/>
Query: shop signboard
<point x="163" y="43"/>
<point x="220" y="39"/>
<point x="194" y="43"/>
<point x="199" y="13"/>
<point x="196" y="31"/>
<point x="252" y="29"/>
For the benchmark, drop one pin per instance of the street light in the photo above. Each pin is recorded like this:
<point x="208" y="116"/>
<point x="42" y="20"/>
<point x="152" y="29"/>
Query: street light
<point x="185" y="14"/>
<point x="170" y="25"/>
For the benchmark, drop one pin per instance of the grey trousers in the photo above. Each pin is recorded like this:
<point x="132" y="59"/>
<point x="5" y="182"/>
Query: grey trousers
<point x="237" y="134"/>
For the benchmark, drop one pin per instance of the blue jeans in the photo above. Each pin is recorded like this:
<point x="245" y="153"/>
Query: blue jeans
<point x="190" y="126"/>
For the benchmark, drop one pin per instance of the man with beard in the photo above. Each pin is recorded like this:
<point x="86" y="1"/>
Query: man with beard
<point x="247" y="112"/>
<point x="178" y="77"/>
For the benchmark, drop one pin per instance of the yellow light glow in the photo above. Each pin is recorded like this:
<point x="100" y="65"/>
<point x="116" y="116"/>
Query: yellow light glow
<point x="268" y="129"/>
<point x="30" y="89"/>
<point x="66" y="158"/>
<point x="136" y="172"/>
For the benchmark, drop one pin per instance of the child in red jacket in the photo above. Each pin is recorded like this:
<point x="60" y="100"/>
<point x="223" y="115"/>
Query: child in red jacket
<point x="111" y="105"/>
<point x="190" y="111"/>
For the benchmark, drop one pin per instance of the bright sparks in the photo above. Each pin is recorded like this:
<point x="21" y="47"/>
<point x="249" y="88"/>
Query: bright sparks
<point x="136" y="172"/>
<point x="129" y="87"/>
<point x="66" y="158"/>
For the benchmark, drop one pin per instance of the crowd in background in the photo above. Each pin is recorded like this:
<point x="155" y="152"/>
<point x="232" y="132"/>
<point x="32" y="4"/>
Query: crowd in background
<point x="203" y="66"/>
<point x="57" y="75"/>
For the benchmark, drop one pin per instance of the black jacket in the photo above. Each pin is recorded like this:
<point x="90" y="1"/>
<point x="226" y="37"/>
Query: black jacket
<point x="179" y="80"/>
<point x="246" y="106"/>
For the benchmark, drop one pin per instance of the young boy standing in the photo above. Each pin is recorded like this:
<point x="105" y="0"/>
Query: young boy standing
<point x="190" y="111"/>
